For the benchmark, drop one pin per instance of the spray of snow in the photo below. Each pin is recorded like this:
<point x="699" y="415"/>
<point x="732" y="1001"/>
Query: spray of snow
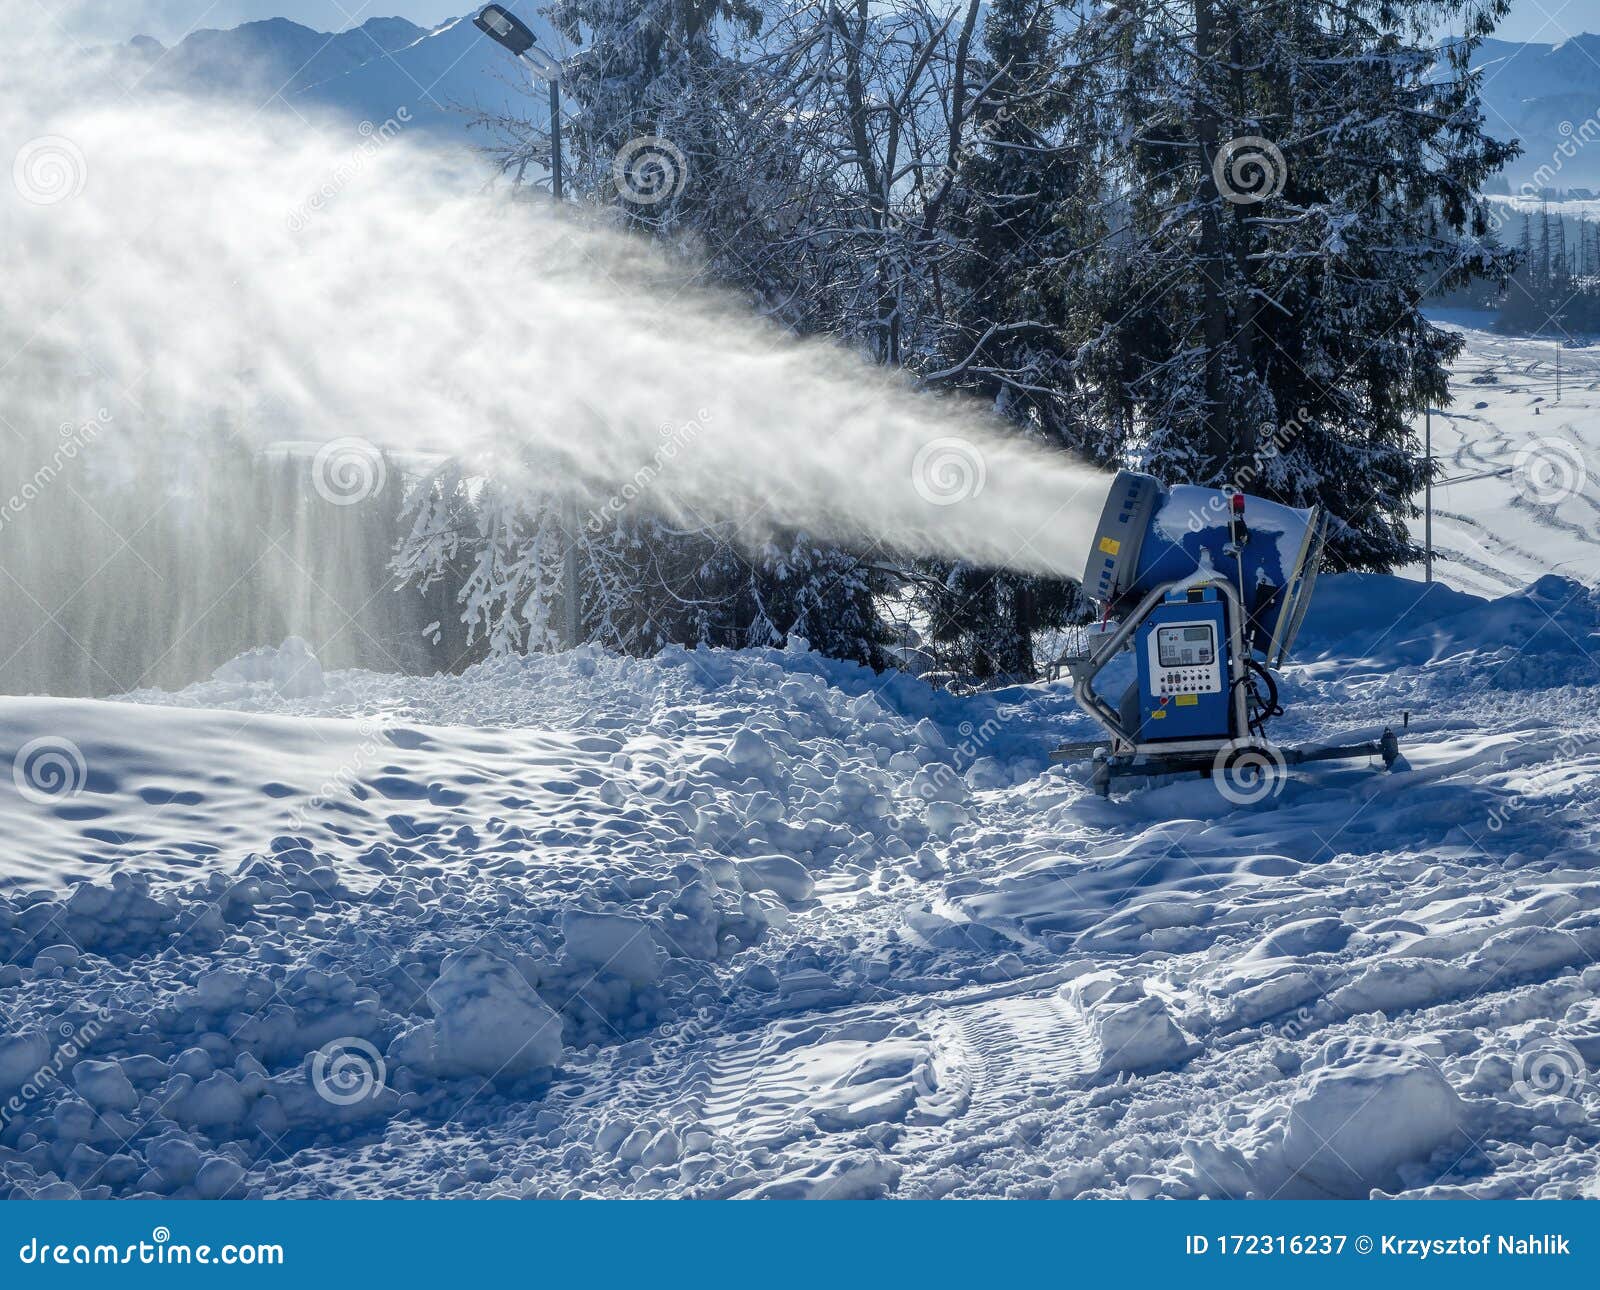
<point x="186" y="267"/>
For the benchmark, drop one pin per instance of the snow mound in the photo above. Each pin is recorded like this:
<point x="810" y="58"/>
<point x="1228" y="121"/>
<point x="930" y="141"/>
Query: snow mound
<point x="613" y="943"/>
<point x="1535" y="638"/>
<point x="1369" y="1107"/>
<point x="1133" y="1029"/>
<point x="736" y="923"/>
<point x="291" y="669"/>
<point x="488" y="1021"/>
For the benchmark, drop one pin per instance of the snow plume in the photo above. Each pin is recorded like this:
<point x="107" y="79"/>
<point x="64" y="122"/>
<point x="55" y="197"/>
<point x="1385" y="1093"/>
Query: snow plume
<point x="194" y="266"/>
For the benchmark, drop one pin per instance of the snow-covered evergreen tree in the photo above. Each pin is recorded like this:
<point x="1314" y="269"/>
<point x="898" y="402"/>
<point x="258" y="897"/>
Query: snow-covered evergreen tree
<point x="1298" y="175"/>
<point x="1016" y="216"/>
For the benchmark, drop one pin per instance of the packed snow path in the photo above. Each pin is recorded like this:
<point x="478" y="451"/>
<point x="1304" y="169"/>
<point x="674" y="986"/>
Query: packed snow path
<point x="761" y="924"/>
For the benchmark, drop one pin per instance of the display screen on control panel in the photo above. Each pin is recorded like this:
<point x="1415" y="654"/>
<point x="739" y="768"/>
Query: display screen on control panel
<point x="1194" y="645"/>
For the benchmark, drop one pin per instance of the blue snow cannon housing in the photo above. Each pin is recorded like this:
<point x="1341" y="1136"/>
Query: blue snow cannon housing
<point x="1150" y="536"/>
<point x="1196" y="583"/>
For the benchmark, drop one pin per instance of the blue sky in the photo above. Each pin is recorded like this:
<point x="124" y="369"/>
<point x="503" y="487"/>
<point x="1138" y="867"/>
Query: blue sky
<point x="1550" y="21"/>
<point x="168" y="20"/>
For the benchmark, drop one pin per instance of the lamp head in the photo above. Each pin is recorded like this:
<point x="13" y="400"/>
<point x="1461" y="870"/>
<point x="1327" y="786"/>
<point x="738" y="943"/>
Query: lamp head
<point x="504" y="28"/>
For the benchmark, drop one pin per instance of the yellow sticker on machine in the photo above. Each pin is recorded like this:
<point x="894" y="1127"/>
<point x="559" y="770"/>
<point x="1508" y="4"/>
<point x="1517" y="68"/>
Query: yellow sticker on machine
<point x="1110" y="545"/>
<point x="1159" y="714"/>
<point x="1188" y="700"/>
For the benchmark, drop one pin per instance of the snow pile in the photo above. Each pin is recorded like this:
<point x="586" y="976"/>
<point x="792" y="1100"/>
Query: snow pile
<point x="1368" y="1107"/>
<point x="1535" y="638"/>
<point x="291" y="669"/>
<point x="488" y="1021"/>
<point x="1133" y="1029"/>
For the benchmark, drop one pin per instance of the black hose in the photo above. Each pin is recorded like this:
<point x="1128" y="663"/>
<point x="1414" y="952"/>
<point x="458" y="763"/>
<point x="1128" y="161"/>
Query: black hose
<point x="1262" y="710"/>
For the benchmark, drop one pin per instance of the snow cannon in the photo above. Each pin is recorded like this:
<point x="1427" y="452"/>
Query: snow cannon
<point x="1207" y="589"/>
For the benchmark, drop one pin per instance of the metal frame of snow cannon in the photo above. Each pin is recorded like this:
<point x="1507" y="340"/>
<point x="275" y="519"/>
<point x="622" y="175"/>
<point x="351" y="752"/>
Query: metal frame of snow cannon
<point x="1113" y="571"/>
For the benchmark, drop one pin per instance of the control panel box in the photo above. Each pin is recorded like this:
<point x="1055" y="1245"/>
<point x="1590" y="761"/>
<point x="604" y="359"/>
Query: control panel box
<point x="1182" y="653"/>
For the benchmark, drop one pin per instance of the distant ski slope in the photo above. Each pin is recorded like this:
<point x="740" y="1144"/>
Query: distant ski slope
<point x="1527" y="462"/>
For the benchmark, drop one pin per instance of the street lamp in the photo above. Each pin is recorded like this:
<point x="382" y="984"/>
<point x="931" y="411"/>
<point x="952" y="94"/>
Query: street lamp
<point x="512" y="34"/>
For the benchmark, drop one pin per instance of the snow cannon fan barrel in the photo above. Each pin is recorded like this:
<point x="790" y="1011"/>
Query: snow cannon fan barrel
<point x="1150" y="536"/>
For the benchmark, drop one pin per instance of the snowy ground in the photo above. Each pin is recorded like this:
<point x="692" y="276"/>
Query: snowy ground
<point x="760" y="924"/>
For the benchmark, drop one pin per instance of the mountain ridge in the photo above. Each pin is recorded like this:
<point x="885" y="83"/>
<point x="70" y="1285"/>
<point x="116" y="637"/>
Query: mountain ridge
<point x="1539" y="93"/>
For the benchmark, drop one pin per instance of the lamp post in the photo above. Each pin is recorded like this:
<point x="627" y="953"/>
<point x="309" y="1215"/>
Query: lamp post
<point x="1427" y="523"/>
<point x="512" y="34"/>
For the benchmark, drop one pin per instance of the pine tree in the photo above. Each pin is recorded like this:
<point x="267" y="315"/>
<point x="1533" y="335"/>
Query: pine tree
<point x="1017" y="211"/>
<point x="1301" y="175"/>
